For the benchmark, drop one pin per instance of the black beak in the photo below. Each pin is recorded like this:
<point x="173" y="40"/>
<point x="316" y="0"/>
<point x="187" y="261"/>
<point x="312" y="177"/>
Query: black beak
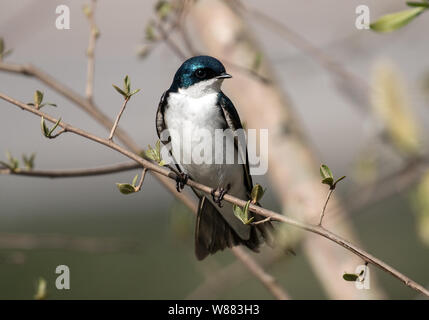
<point x="224" y="75"/>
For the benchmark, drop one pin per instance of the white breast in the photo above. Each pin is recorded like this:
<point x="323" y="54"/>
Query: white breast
<point x="191" y="114"/>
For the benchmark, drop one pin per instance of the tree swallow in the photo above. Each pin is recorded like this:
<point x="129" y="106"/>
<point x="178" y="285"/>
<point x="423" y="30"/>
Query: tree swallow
<point x="194" y="102"/>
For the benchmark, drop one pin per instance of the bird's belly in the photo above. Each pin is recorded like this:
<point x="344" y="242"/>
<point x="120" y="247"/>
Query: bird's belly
<point x="203" y="159"/>
<point x="195" y="126"/>
<point x="216" y="175"/>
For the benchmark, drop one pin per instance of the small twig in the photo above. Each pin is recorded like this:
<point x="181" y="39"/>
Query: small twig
<point x="112" y="132"/>
<point x="261" y="221"/>
<point x="139" y="186"/>
<point x="93" y="33"/>
<point x="230" y="276"/>
<point x="322" y="214"/>
<point x="267" y="280"/>
<point x="71" y="173"/>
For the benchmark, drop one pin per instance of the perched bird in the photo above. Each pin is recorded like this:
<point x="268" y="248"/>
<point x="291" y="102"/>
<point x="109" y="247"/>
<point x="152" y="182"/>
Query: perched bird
<point x="195" y="102"/>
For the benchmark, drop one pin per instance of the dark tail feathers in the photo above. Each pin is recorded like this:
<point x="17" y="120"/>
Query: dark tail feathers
<point x="213" y="233"/>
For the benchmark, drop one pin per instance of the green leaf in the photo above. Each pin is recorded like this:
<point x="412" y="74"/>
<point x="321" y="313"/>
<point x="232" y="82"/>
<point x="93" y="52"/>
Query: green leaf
<point x="418" y="4"/>
<point x="151" y="153"/>
<point x="257" y="193"/>
<point x="127" y="84"/>
<point x="125" y="188"/>
<point x="134" y="92"/>
<point x="328" y="181"/>
<point x="120" y="91"/>
<point x="155" y="154"/>
<point x="150" y="32"/>
<point x="135" y="180"/>
<point x="38" y="97"/>
<point x="350" y="277"/>
<point x="338" y="180"/>
<point x="125" y="92"/>
<point x="3" y="51"/>
<point x="420" y="203"/>
<point x="163" y="8"/>
<point x="246" y="213"/>
<point x="394" y="21"/>
<point x="87" y="10"/>
<point x="158" y="146"/>
<point x="13" y="162"/>
<point x="45" y="129"/>
<point x="243" y="214"/>
<point x="29" y="161"/>
<point x="325" y="172"/>
<point x="54" y="127"/>
<point x="238" y="212"/>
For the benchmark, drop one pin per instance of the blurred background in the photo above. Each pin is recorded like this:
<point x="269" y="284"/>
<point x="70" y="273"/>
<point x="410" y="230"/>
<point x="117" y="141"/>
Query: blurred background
<point x="354" y="99"/>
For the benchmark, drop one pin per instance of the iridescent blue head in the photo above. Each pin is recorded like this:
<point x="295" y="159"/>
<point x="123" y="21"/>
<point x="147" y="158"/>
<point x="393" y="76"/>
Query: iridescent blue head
<point x="198" y="69"/>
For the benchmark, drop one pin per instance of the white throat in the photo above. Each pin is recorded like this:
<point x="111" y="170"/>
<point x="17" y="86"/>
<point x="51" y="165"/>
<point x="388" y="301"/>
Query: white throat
<point x="202" y="88"/>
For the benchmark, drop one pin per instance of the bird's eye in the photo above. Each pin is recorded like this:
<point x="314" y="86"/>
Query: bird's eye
<point x="200" y="74"/>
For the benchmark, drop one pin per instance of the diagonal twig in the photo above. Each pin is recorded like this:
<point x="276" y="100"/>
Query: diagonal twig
<point x="72" y="173"/>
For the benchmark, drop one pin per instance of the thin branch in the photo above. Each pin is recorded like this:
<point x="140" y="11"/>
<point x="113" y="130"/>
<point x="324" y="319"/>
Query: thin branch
<point x="72" y="173"/>
<point x="254" y="208"/>
<point x="267" y="280"/>
<point x="261" y="221"/>
<point x="118" y="117"/>
<point x="322" y="214"/>
<point x="93" y="34"/>
<point x="139" y="186"/>
<point x="230" y="276"/>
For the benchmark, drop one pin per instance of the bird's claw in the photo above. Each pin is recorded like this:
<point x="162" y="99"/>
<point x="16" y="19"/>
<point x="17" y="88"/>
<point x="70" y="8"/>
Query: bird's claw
<point x="181" y="180"/>
<point x="218" y="199"/>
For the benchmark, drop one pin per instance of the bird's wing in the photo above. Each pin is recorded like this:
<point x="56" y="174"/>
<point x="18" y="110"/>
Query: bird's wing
<point x="232" y="120"/>
<point x="160" y="123"/>
<point x="161" y="126"/>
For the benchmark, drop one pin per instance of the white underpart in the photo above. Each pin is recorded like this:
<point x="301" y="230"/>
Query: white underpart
<point x="194" y="109"/>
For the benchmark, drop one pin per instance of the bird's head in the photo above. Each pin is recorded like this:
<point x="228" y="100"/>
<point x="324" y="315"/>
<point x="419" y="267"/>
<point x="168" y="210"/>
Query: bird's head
<point x="200" y="75"/>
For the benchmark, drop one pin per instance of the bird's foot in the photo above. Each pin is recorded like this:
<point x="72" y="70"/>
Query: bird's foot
<point x="181" y="180"/>
<point x="222" y="191"/>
